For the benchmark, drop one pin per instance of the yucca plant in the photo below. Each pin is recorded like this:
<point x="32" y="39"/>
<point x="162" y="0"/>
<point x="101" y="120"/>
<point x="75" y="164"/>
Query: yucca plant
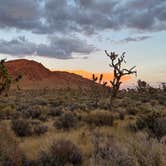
<point x="99" y="88"/>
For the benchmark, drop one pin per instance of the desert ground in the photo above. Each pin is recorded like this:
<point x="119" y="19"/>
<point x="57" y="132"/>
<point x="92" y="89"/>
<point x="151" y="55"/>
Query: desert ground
<point x="77" y="127"/>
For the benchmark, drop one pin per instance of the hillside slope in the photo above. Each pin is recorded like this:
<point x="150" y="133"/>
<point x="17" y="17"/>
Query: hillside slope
<point x="36" y="76"/>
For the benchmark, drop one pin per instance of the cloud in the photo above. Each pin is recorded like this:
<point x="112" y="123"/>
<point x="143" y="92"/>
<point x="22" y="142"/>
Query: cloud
<point x="19" y="14"/>
<point x="59" y="47"/>
<point x="82" y="16"/>
<point x="78" y="18"/>
<point x="89" y="16"/>
<point x="131" y="39"/>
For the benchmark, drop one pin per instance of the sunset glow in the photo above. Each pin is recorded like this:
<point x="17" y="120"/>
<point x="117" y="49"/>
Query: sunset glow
<point x="106" y="76"/>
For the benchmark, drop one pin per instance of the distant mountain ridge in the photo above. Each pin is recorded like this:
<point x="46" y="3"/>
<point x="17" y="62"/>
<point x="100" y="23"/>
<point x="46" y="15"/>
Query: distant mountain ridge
<point x="36" y="76"/>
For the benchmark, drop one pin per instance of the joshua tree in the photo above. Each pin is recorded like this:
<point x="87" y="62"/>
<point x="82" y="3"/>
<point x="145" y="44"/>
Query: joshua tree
<point x="5" y="79"/>
<point x="163" y="86"/>
<point x="119" y="72"/>
<point x="142" y="86"/>
<point x="98" y="88"/>
<point x="95" y="79"/>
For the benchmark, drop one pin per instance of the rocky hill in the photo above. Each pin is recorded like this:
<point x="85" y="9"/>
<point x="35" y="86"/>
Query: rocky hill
<point x="36" y="76"/>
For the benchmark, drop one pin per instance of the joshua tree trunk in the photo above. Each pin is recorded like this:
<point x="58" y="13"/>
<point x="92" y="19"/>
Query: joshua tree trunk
<point x="116" y="63"/>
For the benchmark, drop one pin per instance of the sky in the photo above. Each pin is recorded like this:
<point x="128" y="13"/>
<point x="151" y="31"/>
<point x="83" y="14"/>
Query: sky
<point x="73" y="34"/>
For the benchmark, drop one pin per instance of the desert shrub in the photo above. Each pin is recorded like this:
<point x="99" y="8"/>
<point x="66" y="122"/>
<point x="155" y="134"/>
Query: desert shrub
<point x="39" y="130"/>
<point x="122" y="115"/>
<point x="65" y="121"/>
<point x="147" y="120"/>
<point x="162" y="99"/>
<point x="35" y="122"/>
<point x="132" y="126"/>
<point x="154" y="102"/>
<point x="33" y="113"/>
<point x="61" y="153"/>
<point x="56" y="103"/>
<point x="163" y="140"/>
<point x="136" y="150"/>
<point x="43" y="117"/>
<point x="145" y="99"/>
<point x="103" y="104"/>
<point x="153" y="122"/>
<point x="83" y="106"/>
<point x="40" y="101"/>
<point x="72" y="107"/>
<point x="147" y="151"/>
<point x="163" y="87"/>
<point x="58" y="111"/>
<point x="99" y="118"/>
<point x="21" y="127"/>
<point x="8" y="112"/>
<point x="132" y="110"/>
<point x="107" y="151"/>
<point x="22" y="109"/>
<point x="159" y="128"/>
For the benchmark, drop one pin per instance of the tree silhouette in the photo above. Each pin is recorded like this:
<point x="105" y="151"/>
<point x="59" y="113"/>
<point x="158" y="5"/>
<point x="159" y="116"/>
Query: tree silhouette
<point x="119" y="72"/>
<point x="6" y="79"/>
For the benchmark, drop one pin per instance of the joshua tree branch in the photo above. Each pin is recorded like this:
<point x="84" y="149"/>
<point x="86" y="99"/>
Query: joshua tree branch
<point x="116" y="64"/>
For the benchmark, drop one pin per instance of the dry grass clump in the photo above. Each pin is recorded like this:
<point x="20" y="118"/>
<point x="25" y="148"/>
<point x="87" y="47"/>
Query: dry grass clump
<point x="66" y="121"/>
<point x="10" y="154"/>
<point x="135" y="150"/>
<point x="8" y="112"/>
<point x="99" y="118"/>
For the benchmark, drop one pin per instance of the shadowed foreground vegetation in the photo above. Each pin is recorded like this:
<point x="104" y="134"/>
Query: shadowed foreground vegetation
<point x="76" y="127"/>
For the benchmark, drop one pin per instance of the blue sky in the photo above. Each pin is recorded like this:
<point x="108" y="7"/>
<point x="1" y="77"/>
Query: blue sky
<point x="72" y="35"/>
